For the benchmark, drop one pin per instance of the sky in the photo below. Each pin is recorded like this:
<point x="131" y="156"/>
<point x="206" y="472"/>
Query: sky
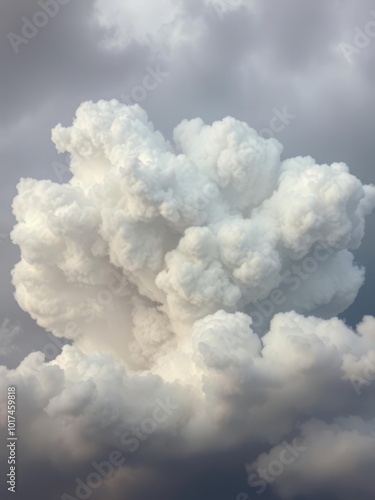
<point x="186" y="241"/>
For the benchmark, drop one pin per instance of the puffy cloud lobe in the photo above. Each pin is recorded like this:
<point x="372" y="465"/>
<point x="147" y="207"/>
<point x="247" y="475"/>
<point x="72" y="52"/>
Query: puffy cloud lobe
<point x="334" y="453"/>
<point x="323" y="282"/>
<point x="243" y="163"/>
<point x="327" y="205"/>
<point x="210" y="223"/>
<point x="226" y="386"/>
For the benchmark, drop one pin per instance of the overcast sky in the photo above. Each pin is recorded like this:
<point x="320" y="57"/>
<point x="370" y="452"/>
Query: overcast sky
<point x="300" y="71"/>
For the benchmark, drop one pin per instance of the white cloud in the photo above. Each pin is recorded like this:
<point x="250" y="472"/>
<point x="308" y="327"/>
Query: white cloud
<point x="149" y="259"/>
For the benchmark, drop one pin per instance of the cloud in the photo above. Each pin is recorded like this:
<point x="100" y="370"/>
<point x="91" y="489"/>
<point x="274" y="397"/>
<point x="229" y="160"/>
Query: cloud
<point x="151" y="259"/>
<point x="333" y="453"/>
<point x="213" y="221"/>
<point x="226" y="388"/>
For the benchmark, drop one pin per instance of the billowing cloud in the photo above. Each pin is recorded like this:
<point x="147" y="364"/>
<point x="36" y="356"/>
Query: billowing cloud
<point x="222" y="388"/>
<point x="164" y="262"/>
<point x="214" y="221"/>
